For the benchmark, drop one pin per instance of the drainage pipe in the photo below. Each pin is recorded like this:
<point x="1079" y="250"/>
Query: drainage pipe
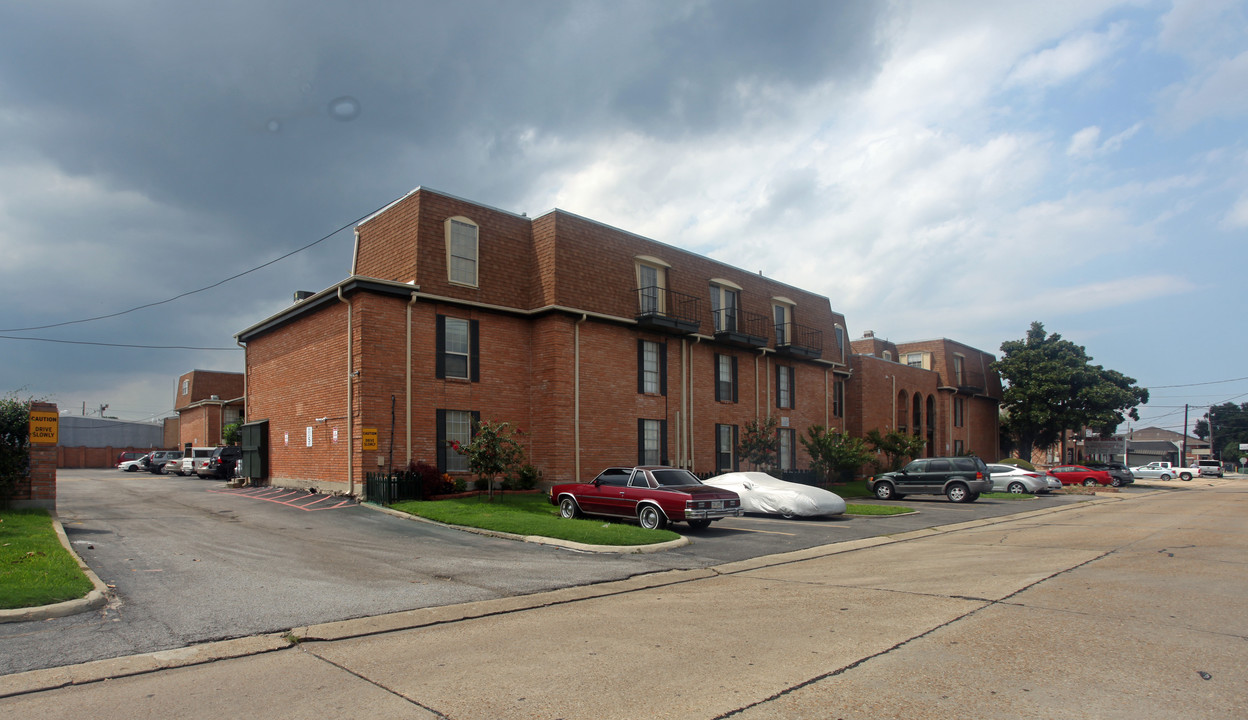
<point x="350" y="396"/>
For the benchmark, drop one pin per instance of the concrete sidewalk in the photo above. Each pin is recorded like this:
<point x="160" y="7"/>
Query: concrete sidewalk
<point x="1131" y="607"/>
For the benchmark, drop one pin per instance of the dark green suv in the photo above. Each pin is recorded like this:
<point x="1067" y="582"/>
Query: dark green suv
<point x="961" y="479"/>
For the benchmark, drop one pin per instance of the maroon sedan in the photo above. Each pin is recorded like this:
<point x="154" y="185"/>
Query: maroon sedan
<point x="653" y="495"/>
<point x="1081" y="475"/>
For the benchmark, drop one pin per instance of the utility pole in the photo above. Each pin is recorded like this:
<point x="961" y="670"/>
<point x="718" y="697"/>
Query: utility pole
<point x="1183" y="457"/>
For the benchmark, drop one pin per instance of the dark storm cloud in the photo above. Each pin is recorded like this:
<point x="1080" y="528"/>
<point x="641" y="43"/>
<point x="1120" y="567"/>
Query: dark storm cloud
<point x="237" y="131"/>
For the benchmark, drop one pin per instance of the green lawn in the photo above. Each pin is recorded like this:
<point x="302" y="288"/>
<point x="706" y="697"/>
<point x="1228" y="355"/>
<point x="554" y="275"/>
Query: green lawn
<point x="876" y="510"/>
<point x="35" y="569"/>
<point x="1007" y="496"/>
<point x="531" y="515"/>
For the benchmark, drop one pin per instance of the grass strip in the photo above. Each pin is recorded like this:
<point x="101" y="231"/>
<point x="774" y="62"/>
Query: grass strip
<point x="1008" y="496"/>
<point x="531" y="515"/>
<point x="35" y="569"/>
<point x="851" y="509"/>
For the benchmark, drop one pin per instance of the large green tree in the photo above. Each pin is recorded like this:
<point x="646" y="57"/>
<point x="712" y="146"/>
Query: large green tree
<point x="1228" y="425"/>
<point x="1052" y="386"/>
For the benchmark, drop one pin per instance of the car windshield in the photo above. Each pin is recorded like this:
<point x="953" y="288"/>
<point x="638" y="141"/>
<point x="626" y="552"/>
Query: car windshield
<point x="675" y="478"/>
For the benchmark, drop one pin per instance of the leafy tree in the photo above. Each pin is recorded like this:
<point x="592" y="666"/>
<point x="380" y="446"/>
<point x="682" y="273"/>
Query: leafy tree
<point x="1052" y="386"/>
<point x="14" y="445"/>
<point x="493" y="451"/>
<point x="834" y="454"/>
<point x="231" y="434"/>
<point x="1227" y="426"/>
<point x="897" y="448"/>
<point x="759" y="443"/>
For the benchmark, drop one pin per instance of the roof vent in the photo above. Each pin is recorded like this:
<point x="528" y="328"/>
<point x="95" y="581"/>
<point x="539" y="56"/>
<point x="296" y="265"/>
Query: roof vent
<point x="301" y="295"/>
<point x="868" y="334"/>
<point x="215" y="397"/>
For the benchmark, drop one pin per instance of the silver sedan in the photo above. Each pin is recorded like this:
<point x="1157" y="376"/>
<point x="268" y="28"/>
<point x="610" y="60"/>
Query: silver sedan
<point x="1011" y="479"/>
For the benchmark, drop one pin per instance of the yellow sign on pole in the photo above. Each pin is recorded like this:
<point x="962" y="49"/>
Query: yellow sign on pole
<point x="370" y="438"/>
<point x="44" y="427"/>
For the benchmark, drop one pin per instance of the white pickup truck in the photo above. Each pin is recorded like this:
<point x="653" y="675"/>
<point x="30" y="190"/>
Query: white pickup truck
<point x="1160" y="469"/>
<point x="1165" y="470"/>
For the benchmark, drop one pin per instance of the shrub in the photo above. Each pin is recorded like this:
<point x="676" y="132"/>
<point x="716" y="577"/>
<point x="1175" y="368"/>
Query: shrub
<point x="14" y="445"/>
<point x="1018" y="462"/>
<point x="432" y="482"/>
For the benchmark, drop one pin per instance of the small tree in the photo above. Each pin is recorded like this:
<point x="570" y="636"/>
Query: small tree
<point x="897" y="448"/>
<point x="759" y="443"/>
<point x="494" y="450"/>
<point x="231" y="434"/>
<point x="834" y="454"/>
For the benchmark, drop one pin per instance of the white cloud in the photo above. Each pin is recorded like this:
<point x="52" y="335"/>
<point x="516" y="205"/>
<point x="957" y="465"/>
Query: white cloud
<point x="1218" y="92"/>
<point x="1069" y="58"/>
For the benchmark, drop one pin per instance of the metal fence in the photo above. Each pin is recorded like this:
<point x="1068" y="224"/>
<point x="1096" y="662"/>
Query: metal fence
<point x="386" y="488"/>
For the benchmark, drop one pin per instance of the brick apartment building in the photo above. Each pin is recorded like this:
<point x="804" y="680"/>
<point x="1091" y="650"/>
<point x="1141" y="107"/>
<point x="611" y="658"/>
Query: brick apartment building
<point x="941" y="390"/>
<point x="604" y="347"/>
<point x="206" y="401"/>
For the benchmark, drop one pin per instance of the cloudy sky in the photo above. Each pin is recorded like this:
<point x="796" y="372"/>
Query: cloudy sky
<point x="952" y="168"/>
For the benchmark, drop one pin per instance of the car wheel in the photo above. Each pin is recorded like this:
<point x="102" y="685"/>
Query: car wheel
<point x="569" y="509"/>
<point x="699" y="524"/>
<point x="957" y="493"/>
<point x="885" y="491"/>
<point x="1116" y="482"/>
<point x="132" y="468"/>
<point x="1185" y="476"/>
<point x="1165" y="477"/>
<point x="1017" y="488"/>
<point x="651" y="518"/>
<point x="1089" y="482"/>
<point x="972" y="497"/>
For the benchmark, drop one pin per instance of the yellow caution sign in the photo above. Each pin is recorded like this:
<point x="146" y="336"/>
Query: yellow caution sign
<point x="45" y="427"/>
<point x="370" y="438"/>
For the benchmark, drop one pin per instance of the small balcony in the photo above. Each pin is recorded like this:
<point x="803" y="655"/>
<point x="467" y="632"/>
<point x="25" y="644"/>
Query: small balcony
<point x="668" y="311"/>
<point x="742" y="328"/>
<point x="799" y="341"/>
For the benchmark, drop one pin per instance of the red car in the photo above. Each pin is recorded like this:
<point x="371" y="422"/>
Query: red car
<point x="1081" y="475"/>
<point x="654" y="495"/>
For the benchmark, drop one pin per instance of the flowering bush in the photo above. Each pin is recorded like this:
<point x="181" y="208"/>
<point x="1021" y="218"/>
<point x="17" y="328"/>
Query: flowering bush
<point x="494" y="450"/>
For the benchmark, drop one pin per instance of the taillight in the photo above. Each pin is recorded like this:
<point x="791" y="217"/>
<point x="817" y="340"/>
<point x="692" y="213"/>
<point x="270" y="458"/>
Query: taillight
<point x="979" y="475"/>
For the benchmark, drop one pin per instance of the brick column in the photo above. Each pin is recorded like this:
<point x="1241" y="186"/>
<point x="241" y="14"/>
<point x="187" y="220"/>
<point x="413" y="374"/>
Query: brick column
<point x="42" y="487"/>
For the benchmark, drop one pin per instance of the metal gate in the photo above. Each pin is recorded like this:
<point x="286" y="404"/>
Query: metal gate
<point x="255" y="444"/>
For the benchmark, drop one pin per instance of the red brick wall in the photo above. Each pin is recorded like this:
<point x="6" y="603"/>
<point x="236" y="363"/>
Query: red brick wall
<point x="39" y="489"/>
<point x="206" y="383"/>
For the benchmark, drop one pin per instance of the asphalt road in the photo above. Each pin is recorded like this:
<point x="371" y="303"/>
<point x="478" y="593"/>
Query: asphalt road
<point x="190" y="563"/>
<point x="1126" y="607"/>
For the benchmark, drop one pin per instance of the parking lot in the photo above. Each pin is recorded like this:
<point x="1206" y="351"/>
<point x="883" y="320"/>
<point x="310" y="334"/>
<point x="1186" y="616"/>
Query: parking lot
<point x="191" y="561"/>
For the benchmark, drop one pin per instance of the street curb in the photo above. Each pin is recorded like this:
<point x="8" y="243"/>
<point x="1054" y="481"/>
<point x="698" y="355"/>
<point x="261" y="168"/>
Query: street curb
<point x="120" y="667"/>
<point x="97" y="597"/>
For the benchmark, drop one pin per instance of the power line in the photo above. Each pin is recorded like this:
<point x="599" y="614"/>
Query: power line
<point x="191" y="292"/>
<point x="1212" y="382"/>
<point x="118" y="345"/>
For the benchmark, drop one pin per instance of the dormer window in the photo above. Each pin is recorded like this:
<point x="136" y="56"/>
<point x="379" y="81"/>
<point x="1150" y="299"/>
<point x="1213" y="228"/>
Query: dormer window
<point x="725" y="305"/>
<point x="651" y="285"/>
<point x="461" y="251"/>
<point x="782" y="312"/>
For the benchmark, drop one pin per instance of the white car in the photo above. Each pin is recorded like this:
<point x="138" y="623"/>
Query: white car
<point x="1013" y="479"/>
<point x="134" y="465"/>
<point x="762" y="493"/>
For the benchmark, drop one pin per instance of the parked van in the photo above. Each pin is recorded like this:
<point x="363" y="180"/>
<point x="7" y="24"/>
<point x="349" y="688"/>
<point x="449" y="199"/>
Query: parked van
<point x="194" y="460"/>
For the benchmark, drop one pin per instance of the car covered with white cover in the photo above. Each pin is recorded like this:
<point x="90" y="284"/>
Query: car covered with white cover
<point x="762" y="493"/>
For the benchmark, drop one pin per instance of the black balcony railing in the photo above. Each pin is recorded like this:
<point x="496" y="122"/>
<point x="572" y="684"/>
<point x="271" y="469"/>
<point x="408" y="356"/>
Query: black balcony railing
<point x="799" y="340"/>
<point x="668" y="311"/>
<point x="740" y="327"/>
